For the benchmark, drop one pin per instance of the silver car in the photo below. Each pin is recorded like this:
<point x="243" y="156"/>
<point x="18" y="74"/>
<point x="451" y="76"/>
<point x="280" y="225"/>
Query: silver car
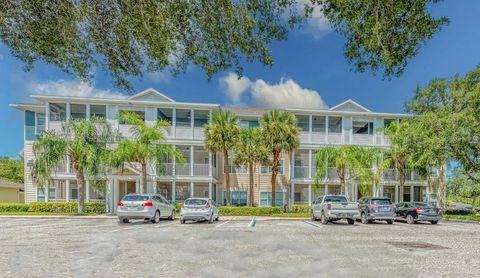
<point x="199" y="209"/>
<point x="144" y="206"/>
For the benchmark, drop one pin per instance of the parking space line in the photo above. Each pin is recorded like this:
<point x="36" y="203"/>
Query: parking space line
<point x="122" y="229"/>
<point x="312" y="224"/>
<point x="219" y="225"/>
<point x="165" y="225"/>
<point x="252" y="223"/>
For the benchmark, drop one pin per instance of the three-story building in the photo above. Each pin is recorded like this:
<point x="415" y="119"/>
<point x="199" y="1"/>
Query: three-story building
<point x="202" y="175"/>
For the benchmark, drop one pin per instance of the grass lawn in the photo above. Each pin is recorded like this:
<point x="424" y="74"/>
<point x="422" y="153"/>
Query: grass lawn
<point x="45" y="213"/>
<point x="475" y="217"/>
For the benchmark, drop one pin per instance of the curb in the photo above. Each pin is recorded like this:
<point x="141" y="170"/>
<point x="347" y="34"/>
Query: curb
<point x="461" y="220"/>
<point x="58" y="217"/>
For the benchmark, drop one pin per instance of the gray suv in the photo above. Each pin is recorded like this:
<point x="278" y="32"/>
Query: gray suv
<point x="144" y="206"/>
<point x="376" y="208"/>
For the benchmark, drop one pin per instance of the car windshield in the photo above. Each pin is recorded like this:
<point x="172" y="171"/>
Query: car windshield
<point x="135" y="198"/>
<point x="337" y="199"/>
<point x="381" y="201"/>
<point x="195" y="202"/>
<point x="421" y="205"/>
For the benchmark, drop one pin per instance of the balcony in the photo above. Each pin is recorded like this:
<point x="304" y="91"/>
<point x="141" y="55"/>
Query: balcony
<point x="182" y="170"/>
<point x="304" y="136"/>
<point x="300" y="172"/>
<point x="198" y="133"/>
<point x="390" y="175"/>
<point x="318" y="137"/>
<point x="165" y="169"/>
<point x="362" y="139"/>
<point x="201" y="169"/>
<point x="183" y="132"/>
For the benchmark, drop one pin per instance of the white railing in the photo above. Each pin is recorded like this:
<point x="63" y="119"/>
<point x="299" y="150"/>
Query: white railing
<point x="200" y="169"/>
<point x="182" y="170"/>
<point x="300" y="171"/>
<point x="334" y="138"/>
<point x="304" y="136"/>
<point x="198" y="133"/>
<point x="332" y="173"/>
<point x="318" y="137"/>
<point x="183" y="132"/>
<point x="165" y="169"/>
<point x="390" y="175"/>
<point x="386" y="140"/>
<point x="167" y="132"/>
<point x="61" y="167"/>
<point x="362" y="139"/>
<point x="126" y="130"/>
<point x="54" y="125"/>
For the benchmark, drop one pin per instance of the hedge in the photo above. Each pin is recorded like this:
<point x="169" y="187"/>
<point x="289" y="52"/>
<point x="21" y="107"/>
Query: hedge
<point x="300" y="209"/>
<point x="13" y="207"/>
<point x="459" y="212"/>
<point x="65" y="207"/>
<point x="238" y="211"/>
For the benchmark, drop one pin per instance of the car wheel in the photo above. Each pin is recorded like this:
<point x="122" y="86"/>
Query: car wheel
<point x="156" y="217"/>
<point x="324" y="219"/>
<point x="124" y="220"/>
<point x="364" y="219"/>
<point x="410" y="219"/>
<point x="390" y="221"/>
<point x="172" y="216"/>
<point x="312" y="216"/>
<point x="433" y="222"/>
<point x="211" y="219"/>
<point x="218" y="218"/>
<point x="350" y="221"/>
<point x="182" y="221"/>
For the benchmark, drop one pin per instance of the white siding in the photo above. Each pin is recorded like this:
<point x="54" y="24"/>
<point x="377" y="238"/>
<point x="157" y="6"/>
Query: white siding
<point x="30" y="186"/>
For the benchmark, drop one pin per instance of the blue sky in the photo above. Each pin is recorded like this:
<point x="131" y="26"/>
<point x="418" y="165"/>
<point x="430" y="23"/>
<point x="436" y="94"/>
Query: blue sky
<point x="308" y="64"/>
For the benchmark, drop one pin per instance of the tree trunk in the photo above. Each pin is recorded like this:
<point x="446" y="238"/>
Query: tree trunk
<point x="80" y="188"/>
<point x="250" y="170"/>
<point x="144" y="178"/>
<point x="402" y="183"/>
<point x="474" y="201"/>
<point x="274" y="175"/>
<point x="227" y="176"/>
<point x="341" y="177"/>
<point x="441" y="186"/>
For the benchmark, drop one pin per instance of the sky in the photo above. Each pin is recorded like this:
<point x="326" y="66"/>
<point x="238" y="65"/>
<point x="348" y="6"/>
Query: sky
<point x="309" y="71"/>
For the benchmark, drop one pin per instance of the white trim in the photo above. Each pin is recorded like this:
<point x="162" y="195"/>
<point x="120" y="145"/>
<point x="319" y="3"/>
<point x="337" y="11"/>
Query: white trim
<point x="149" y="91"/>
<point x="350" y="101"/>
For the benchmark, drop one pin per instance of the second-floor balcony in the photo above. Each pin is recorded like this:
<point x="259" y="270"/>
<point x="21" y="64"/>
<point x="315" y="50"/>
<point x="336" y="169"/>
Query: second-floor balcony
<point x="197" y="169"/>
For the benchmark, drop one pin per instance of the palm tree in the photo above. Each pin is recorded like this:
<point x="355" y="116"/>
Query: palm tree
<point x="400" y="151"/>
<point x="280" y="134"/>
<point x="148" y="145"/>
<point x="84" y="142"/>
<point x="220" y="136"/>
<point x="249" y="149"/>
<point x="350" y="162"/>
<point x="377" y="162"/>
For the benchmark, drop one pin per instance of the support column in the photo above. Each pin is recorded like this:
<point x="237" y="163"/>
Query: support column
<point x="210" y="168"/>
<point x="310" y="128"/>
<point x="326" y="188"/>
<point x="411" y="193"/>
<point x="47" y="115"/>
<point x="174" y="162"/>
<point x="210" y="195"/>
<point x="87" y="190"/>
<point x="174" y="122"/>
<point x="310" y="194"/>
<point x="173" y="191"/>
<point x="192" y="158"/>
<point x="87" y="116"/>
<point x="138" y="187"/>
<point x="191" y="189"/>
<point x="116" y="194"/>
<point x="292" y="165"/>
<point x="192" y="122"/>
<point x="309" y="164"/>
<point x="293" y="194"/>
<point x="396" y="193"/>
<point x="45" y="191"/>
<point x="68" y="112"/>
<point x="326" y="129"/>
<point x="67" y="190"/>
<point x="108" y="197"/>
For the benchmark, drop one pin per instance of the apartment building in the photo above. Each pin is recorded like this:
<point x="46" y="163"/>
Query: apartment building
<point x="203" y="173"/>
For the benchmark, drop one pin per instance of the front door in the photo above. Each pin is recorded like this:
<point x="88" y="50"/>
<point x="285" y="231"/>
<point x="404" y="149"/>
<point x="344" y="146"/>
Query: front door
<point x="126" y="187"/>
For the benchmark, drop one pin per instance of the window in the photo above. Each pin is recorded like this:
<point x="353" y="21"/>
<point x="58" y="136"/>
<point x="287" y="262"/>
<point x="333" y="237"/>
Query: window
<point x="141" y="114"/>
<point x="78" y="111"/>
<point x="237" y="198"/>
<point x="195" y="202"/>
<point x="135" y="198"/>
<point x="58" y="111"/>
<point x="335" y="124"/>
<point x="318" y="124"/>
<point x="381" y="201"/>
<point x="52" y="193"/>
<point x="200" y="118"/>
<point x="165" y="114"/>
<point x="266" y="199"/>
<point x="248" y="124"/>
<point x="303" y="122"/>
<point x="268" y="169"/>
<point x="362" y="127"/>
<point x="39" y="123"/>
<point x="74" y="193"/>
<point x="387" y="122"/>
<point x="98" y="111"/>
<point x="336" y="199"/>
<point x="183" y="117"/>
<point x="40" y="194"/>
<point x="242" y="169"/>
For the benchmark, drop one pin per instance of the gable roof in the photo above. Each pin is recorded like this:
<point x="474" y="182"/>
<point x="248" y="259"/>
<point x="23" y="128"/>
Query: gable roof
<point x="10" y="184"/>
<point x="351" y="106"/>
<point x="151" y="94"/>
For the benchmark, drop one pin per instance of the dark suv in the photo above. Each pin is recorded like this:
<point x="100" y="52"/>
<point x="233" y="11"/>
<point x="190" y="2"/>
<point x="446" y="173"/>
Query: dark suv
<point x="413" y="212"/>
<point x="376" y="208"/>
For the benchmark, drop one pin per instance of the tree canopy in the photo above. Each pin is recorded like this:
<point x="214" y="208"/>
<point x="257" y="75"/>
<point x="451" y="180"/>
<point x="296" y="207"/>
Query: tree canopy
<point x="128" y="38"/>
<point x="11" y="169"/>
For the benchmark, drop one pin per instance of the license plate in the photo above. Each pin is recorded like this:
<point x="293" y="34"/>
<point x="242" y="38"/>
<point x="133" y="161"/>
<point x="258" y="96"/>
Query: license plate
<point x="383" y="209"/>
<point x="132" y="208"/>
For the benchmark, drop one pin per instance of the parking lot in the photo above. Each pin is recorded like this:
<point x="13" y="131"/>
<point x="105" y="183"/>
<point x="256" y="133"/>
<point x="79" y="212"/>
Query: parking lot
<point x="236" y="248"/>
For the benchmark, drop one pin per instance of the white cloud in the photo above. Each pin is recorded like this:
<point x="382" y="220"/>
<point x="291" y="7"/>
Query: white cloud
<point x="73" y="88"/>
<point x="287" y="93"/>
<point x="234" y="87"/>
<point x="163" y="77"/>
<point x="317" y="25"/>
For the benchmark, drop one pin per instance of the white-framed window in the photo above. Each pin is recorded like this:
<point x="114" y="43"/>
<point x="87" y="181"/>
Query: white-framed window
<point x="267" y="169"/>
<point x="39" y="123"/>
<point x="237" y="198"/>
<point x="242" y="169"/>
<point x="40" y="194"/>
<point x="362" y="127"/>
<point x="266" y="198"/>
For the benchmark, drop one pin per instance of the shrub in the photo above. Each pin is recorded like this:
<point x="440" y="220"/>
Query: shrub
<point x="178" y="205"/>
<point x="300" y="209"/>
<point x="459" y="212"/>
<point x="65" y="207"/>
<point x="13" y="207"/>
<point x="260" y="211"/>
